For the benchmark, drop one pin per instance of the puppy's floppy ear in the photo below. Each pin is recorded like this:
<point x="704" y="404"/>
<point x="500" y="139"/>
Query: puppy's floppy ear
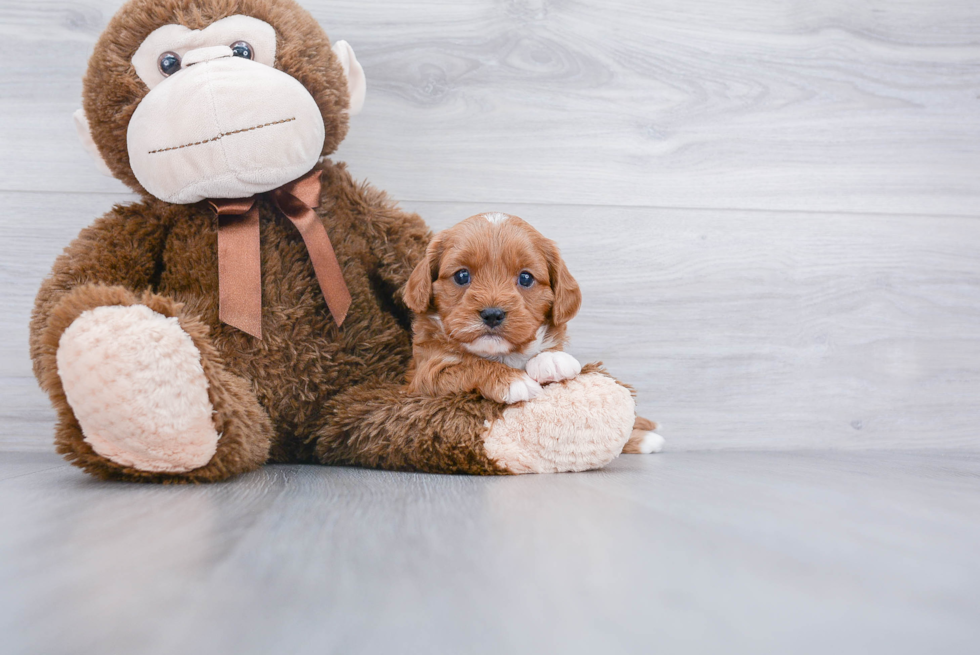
<point x="418" y="289"/>
<point x="568" y="297"/>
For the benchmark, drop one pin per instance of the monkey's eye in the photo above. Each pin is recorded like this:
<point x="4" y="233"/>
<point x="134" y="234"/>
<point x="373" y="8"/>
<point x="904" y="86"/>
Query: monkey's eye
<point x="169" y="63"/>
<point x="462" y="277"/>
<point x="525" y="279"/>
<point x="241" y="49"/>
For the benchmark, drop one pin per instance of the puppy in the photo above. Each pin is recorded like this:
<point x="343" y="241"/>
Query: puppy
<point x="491" y="300"/>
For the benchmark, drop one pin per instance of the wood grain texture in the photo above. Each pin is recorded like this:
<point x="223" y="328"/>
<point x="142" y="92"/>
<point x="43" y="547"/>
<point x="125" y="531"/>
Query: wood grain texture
<point x="830" y="105"/>
<point x="738" y="329"/>
<point x="679" y="553"/>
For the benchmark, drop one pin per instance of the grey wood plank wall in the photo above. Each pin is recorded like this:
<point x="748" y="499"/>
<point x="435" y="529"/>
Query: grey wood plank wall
<point x="772" y="207"/>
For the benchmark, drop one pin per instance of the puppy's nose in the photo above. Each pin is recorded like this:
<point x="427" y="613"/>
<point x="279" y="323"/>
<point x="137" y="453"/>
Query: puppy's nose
<point x="493" y="316"/>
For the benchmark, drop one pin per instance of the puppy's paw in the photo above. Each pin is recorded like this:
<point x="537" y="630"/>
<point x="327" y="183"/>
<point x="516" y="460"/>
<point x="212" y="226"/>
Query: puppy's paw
<point x="521" y="389"/>
<point x="642" y="442"/>
<point x="552" y="366"/>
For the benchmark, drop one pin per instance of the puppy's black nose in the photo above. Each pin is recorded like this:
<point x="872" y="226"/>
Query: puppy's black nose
<point x="493" y="316"/>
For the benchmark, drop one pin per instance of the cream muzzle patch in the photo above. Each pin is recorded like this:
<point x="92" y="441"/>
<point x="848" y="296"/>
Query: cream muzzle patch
<point x="213" y="104"/>
<point x="219" y="120"/>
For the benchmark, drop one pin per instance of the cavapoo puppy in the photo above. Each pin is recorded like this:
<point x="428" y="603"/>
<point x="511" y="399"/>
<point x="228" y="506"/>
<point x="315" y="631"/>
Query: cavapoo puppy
<point x="491" y="299"/>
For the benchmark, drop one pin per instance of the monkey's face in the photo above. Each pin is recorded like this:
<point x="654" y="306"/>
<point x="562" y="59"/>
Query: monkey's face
<point x="219" y="114"/>
<point x="219" y="121"/>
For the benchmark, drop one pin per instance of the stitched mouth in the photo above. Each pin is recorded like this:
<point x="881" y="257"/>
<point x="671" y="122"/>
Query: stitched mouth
<point x="222" y="135"/>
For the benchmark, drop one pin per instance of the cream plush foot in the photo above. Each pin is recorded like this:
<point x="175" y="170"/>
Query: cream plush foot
<point x="576" y="425"/>
<point x="134" y="380"/>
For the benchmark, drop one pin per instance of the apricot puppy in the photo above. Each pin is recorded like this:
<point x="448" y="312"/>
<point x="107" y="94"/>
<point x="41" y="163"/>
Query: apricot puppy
<point x="491" y="299"/>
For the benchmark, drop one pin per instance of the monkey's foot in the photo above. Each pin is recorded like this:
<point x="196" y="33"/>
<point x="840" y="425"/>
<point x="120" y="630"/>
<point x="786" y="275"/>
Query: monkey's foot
<point x="575" y="425"/>
<point x="134" y="380"/>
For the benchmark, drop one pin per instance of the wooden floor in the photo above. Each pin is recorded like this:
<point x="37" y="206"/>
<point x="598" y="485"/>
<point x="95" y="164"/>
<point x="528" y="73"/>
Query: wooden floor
<point x="774" y="212"/>
<point x="705" y="552"/>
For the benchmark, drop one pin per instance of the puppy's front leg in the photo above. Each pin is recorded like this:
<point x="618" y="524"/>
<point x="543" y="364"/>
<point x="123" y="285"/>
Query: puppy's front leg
<point x="496" y="381"/>
<point x="439" y="374"/>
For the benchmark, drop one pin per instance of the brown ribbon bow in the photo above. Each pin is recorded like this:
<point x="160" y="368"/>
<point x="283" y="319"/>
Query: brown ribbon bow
<point x="240" y="261"/>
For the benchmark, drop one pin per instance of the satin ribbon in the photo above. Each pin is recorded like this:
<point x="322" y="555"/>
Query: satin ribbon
<point x="240" y="258"/>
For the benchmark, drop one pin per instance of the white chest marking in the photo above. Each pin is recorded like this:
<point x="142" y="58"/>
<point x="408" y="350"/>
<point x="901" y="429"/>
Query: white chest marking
<point x="542" y="341"/>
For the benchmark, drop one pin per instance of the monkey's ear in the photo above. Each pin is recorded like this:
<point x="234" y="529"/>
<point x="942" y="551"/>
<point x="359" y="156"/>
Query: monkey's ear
<point x="85" y="136"/>
<point x="356" y="82"/>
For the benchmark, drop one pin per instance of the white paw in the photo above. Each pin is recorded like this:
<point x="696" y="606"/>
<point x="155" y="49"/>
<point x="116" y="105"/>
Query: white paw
<point x="521" y="389"/>
<point x="552" y="366"/>
<point x="651" y="443"/>
<point x="134" y="380"/>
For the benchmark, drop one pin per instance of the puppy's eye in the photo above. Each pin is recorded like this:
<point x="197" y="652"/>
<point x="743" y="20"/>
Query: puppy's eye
<point x="241" y="49"/>
<point x="525" y="279"/>
<point x="462" y="277"/>
<point x="169" y="63"/>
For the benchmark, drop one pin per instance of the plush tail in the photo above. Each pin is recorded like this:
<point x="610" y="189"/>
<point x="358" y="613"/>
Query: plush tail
<point x="644" y="440"/>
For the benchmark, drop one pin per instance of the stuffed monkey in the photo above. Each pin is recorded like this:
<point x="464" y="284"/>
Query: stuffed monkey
<point x="248" y="307"/>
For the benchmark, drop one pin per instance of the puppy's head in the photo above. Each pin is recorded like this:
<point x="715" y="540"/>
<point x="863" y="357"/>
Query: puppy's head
<point x="494" y="282"/>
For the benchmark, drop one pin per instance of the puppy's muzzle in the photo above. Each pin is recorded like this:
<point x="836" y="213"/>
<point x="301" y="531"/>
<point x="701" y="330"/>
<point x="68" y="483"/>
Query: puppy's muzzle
<point x="493" y="316"/>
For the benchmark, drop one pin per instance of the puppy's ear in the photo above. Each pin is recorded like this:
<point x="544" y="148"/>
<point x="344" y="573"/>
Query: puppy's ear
<point x="568" y="297"/>
<point x="418" y="289"/>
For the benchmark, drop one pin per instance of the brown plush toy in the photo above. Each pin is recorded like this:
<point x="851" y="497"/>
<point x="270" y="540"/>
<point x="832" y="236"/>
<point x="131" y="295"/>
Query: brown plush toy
<point x="249" y="307"/>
